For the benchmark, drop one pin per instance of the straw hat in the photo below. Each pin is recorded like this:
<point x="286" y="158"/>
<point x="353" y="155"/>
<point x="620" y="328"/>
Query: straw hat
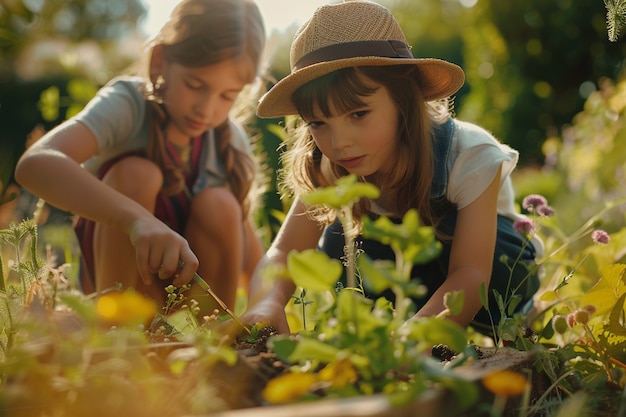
<point x="352" y="34"/>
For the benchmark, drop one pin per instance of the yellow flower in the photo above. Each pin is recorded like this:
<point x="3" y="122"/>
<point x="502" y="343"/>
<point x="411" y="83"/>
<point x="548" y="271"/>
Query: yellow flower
<point x="505" y="383"/>
<point x="340" y="373"/>
<point x="288" y="387"/>
<point x="125" y="308"/>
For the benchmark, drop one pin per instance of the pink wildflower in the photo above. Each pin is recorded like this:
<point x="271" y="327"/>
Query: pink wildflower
<point x="600" y="237"/>
<point x="533" y="201"/>
<point x="524" y="226"/>
<point x="545" y="211"/>
<point x="591" y="309"/>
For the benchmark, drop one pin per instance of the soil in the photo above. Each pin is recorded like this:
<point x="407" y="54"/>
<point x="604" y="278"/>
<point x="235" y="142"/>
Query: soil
<point x="241" y="385"/>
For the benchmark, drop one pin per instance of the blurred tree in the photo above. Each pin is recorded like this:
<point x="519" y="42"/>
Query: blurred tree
<point x="529" y="65"/>
<point x="27" y="22"/>
<point x="556" y="53"/>
<point x="49" y="42"/>
<point x="431" y="29"/>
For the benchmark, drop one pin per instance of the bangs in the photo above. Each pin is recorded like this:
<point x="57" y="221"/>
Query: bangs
<point x="333" y="94"/>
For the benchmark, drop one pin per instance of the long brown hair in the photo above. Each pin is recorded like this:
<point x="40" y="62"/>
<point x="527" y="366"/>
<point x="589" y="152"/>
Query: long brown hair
<point x="201" y="33"/>
<point x="408" y="185"/>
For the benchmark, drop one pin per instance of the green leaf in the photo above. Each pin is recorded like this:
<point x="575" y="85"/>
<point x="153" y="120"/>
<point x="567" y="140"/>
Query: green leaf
<point x="454" y="301"/>
<point x="513" y="303"/>
<point x="49" y="103"/>
<point x="482" y="292"/>
<point x="86" y="310"/>
<point x="73" y="110"/>
<point x="377" y="275"/>
<point x="385" y="231"/>
<point x="354" y="308"/>
<point x="416" y="243"/>
<point x="423" y="253"/>
<point x="183" y="321"/>
<point x="308" y="349"/>
<point x="345" y="193"/>
<point x="313" y="270"/>
<point x="499" y="301"/>
<point x="277" y="130"/>
<point x="435" y="330"/>
<point x="465" y="391"/>
<point x="81" y="90"/>
<point x="282" y="346"/>
<point x="549" y="296"/>
<point x="548" y="330"/>
<point x="615" y="326"/>
<point x="605" y="293"/>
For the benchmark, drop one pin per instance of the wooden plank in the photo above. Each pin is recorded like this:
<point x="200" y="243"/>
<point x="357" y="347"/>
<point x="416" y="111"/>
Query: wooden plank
<point x="430" y="404"/>
<point x="493" y="360"/>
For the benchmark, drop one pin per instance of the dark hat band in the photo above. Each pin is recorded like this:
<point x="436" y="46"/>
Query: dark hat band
<point x="381" y="49"/>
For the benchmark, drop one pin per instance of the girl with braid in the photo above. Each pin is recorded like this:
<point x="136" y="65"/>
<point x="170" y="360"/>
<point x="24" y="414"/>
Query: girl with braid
<point x="154" y="167"/>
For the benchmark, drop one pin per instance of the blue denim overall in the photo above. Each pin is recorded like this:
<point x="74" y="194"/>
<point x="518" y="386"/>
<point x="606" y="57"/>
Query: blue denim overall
<point x="516" y="249"/>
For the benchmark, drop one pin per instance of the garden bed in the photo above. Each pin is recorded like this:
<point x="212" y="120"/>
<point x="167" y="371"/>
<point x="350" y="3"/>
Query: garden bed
<point x="255" y="370"/>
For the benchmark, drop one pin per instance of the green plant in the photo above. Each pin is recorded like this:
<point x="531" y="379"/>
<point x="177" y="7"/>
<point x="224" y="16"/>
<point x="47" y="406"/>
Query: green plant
<point x="302" y="302"/>
<point x="363" y="346"/>
<point x="590" y="334"/>
<point x="580" y="333"/>
<point x="62" y="351"/>
<point x="14" y="294"/>
<point x="615" y="18"/>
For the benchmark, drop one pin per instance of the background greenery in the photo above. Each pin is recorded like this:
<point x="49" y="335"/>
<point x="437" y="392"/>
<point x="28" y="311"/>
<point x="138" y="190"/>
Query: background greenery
<point x="530" y="68"/>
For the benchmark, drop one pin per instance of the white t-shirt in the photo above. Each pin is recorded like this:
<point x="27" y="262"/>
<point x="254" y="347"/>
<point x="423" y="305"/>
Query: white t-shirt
<point x="475" y="156"/>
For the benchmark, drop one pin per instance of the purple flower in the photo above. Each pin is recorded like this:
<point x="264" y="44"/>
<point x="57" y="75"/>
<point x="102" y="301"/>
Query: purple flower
<point x="600" y="237"/>
<point x="524" y="226"/>
<point x="533" y="201"/>
<point x="545" y="211"/>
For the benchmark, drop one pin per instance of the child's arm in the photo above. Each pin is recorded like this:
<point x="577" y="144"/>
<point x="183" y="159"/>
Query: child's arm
<point x="51" y="170"/>
<point x="266" y="301"/>
<point x="472" y="254"/>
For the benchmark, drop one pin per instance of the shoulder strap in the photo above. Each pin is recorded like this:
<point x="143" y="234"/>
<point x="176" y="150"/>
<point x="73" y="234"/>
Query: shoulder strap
<point x="442" y="141"/>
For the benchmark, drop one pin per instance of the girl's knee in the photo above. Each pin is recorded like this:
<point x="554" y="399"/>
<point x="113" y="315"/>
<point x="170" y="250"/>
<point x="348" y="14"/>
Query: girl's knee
<point x="135" y="177"/>
<point x="217" y="203"/>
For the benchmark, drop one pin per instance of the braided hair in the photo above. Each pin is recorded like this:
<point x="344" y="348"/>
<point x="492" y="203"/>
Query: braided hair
<point x="201" y="33"/>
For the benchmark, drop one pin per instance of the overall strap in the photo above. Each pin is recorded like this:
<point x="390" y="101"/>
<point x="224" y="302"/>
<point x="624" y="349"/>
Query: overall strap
<point x="442" y="141"/>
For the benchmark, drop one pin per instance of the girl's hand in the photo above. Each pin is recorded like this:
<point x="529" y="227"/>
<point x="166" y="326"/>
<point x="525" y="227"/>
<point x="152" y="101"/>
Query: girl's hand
<point x="162" y="252"/>
<point x="267" y="311"/>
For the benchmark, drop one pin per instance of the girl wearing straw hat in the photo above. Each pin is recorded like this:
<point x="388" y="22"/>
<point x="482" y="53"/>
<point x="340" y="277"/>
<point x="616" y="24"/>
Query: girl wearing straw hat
<point x="368" y="107"/>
